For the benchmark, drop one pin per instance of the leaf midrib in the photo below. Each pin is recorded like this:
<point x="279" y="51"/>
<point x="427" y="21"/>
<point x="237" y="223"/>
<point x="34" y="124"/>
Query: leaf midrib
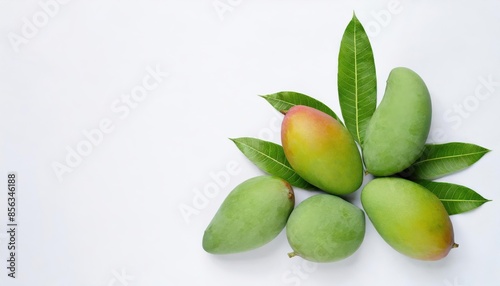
<point x="356" y="84"/>
<point x="448" y="157"/>
<point x="267" y="156"/>
<point x="471" y="201"/>
<point x="281" y="101"/>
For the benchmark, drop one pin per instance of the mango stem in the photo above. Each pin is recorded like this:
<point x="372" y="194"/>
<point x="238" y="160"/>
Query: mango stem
<point x="292" y="254"/>
<point x="455" y="245"/>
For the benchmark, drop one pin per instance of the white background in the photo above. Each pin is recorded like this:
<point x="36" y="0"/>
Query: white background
<point x="115" y="219"/>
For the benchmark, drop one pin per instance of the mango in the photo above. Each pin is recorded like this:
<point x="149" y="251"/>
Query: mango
<point x="321" y="150"/>
<point x="396" y="133"/>
<point x="409" y="217"/>
<point x="252" y="214"/>
<point x="325" y="228"/>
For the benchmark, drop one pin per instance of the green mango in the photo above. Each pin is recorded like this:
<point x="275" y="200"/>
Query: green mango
<point x="409" y="217"/>
<point x="325" y="228"/>
<point x="321" y="150"/>
<point x="397" y="132"/>
<point x="252" y="214"/>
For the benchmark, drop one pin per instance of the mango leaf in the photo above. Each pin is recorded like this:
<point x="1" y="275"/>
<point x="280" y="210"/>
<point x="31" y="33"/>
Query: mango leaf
<point x="270" y="157"/>
<point x="455" y="198"/>
<point x="356" y="79"/>
<point x="439" y="160"/>
<point x="284" y="100"/>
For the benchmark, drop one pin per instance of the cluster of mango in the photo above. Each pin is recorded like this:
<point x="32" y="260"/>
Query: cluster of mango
<point x="326" y="227"/>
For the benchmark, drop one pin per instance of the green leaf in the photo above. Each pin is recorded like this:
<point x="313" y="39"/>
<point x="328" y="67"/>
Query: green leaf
<point x="284" y="100"/>
<point x="439" y="160"/>
<point x="270" y="158"/>
<point x="356" y="79"/>
<point x="455" y="198"/>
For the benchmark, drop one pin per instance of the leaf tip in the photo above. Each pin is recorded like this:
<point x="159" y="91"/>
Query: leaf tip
<point x="354" y="17"/>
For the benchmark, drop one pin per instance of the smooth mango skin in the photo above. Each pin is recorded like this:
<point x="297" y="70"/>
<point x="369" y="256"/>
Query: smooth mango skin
<point x="253" y="214"/>
<point x="410" y="218"/>
<point x="325" y="228"/>
<point x="396" y="134"/>
<point x="321" y="150"/>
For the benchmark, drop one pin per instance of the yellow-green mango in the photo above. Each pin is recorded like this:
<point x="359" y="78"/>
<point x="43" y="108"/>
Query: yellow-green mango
<point x="409" y="217"/>
<point x="253" y="214"/>
<point x="396" y="133"/>
<point x="321" y="150"/>
<point x="325" y="228"/>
